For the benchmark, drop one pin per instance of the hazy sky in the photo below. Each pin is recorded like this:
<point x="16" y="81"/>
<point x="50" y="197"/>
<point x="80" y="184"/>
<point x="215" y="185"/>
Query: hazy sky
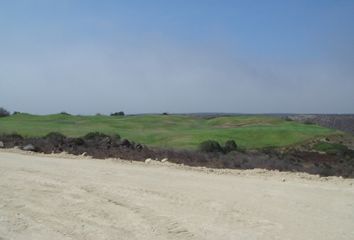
<point x="86" y="57"/>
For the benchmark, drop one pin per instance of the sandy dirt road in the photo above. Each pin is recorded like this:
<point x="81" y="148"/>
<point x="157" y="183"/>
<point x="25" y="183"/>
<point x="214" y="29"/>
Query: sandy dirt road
<point x="44" y="197"/>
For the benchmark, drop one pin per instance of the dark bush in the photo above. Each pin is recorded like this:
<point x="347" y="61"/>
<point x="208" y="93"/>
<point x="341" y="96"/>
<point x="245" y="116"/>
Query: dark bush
<point x="12" y="139"/>
<point x="210" y="146"/>
<point x="230" y="146"/>
<point x="14" y="136"/>
<point x="165" y="113"/>
<point x="270" y="151"/>
<point x="308" y="122"/>
<point x="4" y="112"/>
<point x="121" y="113"/>
<point x="139" y="147"/>
<point x="116" y="136"/>
<point x="126" y="143"/>
<point x="55" y="137"/>
<point x="65" y="113"/>
<point x="350" y="153"/>
<point x="93" y="135"/>
<point x="99" y="135"/>
<point x="241" y="150"/>
<point x="78" y="141"/>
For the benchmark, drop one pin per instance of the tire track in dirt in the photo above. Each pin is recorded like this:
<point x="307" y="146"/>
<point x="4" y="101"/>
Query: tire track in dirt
<point x="160" y="225"/>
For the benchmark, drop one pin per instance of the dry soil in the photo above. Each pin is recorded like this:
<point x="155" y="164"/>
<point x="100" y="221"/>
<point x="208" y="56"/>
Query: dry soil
<point x="62" y="197"/>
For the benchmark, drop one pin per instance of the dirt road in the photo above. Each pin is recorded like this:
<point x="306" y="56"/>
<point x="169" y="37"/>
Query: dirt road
<point x="44" y="197"/>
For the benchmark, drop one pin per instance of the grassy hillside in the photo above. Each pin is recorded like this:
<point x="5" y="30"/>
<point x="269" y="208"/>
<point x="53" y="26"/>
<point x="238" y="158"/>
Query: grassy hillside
<point x="171" y="130"/>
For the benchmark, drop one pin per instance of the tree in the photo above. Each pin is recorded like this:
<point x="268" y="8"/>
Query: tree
<point x="121" y="113"/>
<point x="210" y="146"/>
<point x="230" y="146"/>
<point x="4" y="112"/>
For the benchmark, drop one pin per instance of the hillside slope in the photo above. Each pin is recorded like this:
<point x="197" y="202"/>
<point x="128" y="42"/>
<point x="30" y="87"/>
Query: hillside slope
<point x="174" y="131"/>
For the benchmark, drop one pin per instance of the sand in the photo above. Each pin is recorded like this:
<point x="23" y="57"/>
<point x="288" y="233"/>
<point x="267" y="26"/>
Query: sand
<point x="64" y="197"/>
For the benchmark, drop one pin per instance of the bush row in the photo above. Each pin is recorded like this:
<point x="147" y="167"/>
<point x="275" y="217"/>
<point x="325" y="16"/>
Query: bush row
<point x="212" y="146"/>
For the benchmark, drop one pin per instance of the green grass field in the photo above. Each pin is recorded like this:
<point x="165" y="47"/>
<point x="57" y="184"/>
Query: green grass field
<point x="174" y="131"/>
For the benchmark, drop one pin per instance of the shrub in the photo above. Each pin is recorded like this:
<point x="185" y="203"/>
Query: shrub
<point x="121" y="113"/>
<point x="78" y="141"/>
<point x="210" y="146"/>
<point x="93" y="135"/>
<point x="55" y="136"/>
<point x="350" y="153"/>
<point x="230" y="146"/>
<point x="116" y="136"/>
<point x="165" y="113"/>
<point x="269" y="150"/>
<point x="64" y="113"/>
<point x="126" y="143"/>
<point x="308" y="122"/>
<point x="4" y="112"/>
<point x="15" y="136"/>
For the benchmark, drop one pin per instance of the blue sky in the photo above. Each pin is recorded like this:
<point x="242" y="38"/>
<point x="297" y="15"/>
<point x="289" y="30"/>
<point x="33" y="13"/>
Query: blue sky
<point x="177" y="56"/>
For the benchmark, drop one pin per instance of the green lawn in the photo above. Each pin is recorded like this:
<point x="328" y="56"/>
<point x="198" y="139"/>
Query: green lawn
<point x="172" y="130"/>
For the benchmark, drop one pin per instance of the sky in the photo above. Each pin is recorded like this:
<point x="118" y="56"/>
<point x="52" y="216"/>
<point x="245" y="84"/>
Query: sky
<point x="177" y="56"/>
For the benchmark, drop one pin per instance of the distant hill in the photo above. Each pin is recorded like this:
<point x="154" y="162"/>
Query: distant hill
<point x="343" y="122"/>
<point x="172" y="131"/>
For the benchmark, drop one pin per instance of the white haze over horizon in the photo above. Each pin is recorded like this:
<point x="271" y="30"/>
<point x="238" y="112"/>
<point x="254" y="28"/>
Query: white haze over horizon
<point x="154" y="73"/>
<point x="90" y="79"/>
